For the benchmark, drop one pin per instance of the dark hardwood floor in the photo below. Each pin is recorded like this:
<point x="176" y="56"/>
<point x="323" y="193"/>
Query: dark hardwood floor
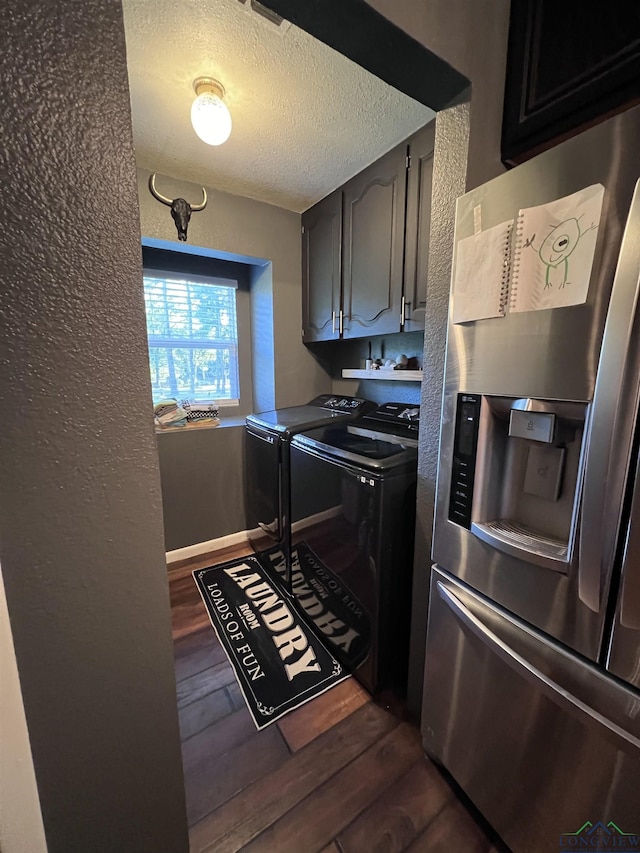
<point x="341" y="774"/>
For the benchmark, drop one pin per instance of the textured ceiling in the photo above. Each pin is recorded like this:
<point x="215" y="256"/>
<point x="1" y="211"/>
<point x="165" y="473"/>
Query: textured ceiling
<point x="305" y="118"/>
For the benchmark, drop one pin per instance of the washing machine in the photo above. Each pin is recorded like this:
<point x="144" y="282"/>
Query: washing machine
<point x="353" y="504"/>
<point x="267" y="481"/>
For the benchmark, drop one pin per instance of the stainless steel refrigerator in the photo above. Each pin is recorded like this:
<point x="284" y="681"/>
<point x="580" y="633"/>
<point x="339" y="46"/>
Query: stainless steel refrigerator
<point x="532" y="675"/>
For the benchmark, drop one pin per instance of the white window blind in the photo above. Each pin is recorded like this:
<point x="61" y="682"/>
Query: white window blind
<point x="193" y="337"/>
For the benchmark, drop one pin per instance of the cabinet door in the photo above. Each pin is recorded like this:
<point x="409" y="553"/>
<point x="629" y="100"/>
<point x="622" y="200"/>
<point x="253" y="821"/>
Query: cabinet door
<point x="321" y="269"/>
<point x="416" y="260"/>
<point x="374" y="209"/>
<point x="568" y="65"/>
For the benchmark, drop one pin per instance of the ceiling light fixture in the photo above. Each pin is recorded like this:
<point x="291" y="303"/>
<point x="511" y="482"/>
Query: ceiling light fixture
<point x="210" y="117"/>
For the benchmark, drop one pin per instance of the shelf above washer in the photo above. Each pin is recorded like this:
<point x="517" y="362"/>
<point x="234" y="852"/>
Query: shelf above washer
<point x="393" y="375"/>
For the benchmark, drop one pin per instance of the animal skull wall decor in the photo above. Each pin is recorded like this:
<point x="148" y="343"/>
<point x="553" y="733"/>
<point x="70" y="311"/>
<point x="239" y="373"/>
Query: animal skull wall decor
<point x="181" y="210"/>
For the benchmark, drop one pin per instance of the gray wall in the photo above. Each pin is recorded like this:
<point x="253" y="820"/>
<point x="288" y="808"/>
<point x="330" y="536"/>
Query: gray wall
<point x="199" y="504"/>
<point x="81" y="539"/>
<point x="452" y="128"/>
<point x="262" y="342"/>
<point x="202" y="474"/>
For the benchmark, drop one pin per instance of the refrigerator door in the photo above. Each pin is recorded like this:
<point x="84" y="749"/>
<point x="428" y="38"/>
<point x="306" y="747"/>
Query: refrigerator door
<point x="560" y="374"/>
<point x="540" y="740"/>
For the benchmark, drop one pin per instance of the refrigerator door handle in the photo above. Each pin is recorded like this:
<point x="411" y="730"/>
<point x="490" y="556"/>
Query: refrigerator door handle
<point x="630" y="600"/>
<point x="558" y="694"/>
<point x="630" y="587"/>
<point x="612" y="421"/>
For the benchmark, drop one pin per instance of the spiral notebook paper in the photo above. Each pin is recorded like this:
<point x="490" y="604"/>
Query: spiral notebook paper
<point x="481" y="274"/>
<point x="554" y="249"/>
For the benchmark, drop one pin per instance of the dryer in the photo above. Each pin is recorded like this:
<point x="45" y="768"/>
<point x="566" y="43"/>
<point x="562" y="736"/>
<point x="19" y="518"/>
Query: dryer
<point x="267" y="487"/>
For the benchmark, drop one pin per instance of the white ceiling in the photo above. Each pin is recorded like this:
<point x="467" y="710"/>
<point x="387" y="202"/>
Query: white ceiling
<point x="305" y="118"/>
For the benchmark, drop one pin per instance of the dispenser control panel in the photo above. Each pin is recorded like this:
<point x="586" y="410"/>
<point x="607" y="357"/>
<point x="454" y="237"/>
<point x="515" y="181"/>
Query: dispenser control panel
<point x="463" y="467"/>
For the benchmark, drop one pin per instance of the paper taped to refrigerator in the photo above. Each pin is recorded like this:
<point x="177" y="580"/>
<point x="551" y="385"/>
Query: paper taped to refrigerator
<point x="481" y="274"/>
<point x="554" y="249"/>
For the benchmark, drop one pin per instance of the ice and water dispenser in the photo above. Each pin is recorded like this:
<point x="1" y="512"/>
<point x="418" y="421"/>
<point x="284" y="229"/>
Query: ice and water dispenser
<point x="516" y="472"/>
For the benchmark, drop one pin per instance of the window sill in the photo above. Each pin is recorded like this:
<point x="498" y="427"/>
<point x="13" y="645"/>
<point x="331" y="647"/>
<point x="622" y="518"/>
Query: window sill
<point x="191" y="427"/>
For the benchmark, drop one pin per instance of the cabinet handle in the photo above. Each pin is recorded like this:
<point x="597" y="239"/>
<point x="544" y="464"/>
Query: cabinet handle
<point x="341" y="322"/>
<point x="333" y="322"/>
<point x="402" y="306"/>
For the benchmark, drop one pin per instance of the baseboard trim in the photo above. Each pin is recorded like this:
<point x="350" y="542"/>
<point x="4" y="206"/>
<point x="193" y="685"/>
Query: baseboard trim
<point x="240" y="538"/>
<point x="318" y="518"/>
<point x="200" y="548"/>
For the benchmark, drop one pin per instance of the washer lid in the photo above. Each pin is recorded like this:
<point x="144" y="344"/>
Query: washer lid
<point x="365" y="448"/>
<point x="402" y="417"/>
<point x="322" y="409"/>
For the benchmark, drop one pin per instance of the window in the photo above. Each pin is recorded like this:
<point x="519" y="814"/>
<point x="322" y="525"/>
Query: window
<point x="193" y="336"/>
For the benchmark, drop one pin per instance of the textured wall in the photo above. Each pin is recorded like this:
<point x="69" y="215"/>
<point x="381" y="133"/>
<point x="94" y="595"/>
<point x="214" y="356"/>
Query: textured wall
<point x="81" y="538"/>
<point x="451" y="148"/>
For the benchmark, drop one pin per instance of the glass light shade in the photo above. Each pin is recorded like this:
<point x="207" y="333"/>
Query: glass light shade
<point x="211" y="119"/>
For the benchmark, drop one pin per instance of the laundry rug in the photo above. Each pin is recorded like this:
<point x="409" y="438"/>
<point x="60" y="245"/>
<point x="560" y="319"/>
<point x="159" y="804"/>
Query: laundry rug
<point x="278" y="660"/>
<point x="339" y="618"/>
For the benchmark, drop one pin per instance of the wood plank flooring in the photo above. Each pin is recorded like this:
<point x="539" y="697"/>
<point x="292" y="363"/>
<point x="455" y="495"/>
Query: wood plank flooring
<point x="341" y="774"/>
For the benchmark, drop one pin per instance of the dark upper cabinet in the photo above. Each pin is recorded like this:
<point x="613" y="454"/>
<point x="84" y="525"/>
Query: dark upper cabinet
<point x="365" y="248"/>
<point x="416" y="258"/>
<point x="373" y="244"/>
<point x="322" y="269"/>
<point x="569" y="64"/>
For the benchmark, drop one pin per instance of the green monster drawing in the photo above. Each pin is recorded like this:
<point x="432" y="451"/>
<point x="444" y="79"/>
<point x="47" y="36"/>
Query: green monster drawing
<point x="557" y="246"/>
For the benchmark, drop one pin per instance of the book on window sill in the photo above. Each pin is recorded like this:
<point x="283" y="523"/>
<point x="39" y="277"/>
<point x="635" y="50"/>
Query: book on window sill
<point x="190" y="425"/>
